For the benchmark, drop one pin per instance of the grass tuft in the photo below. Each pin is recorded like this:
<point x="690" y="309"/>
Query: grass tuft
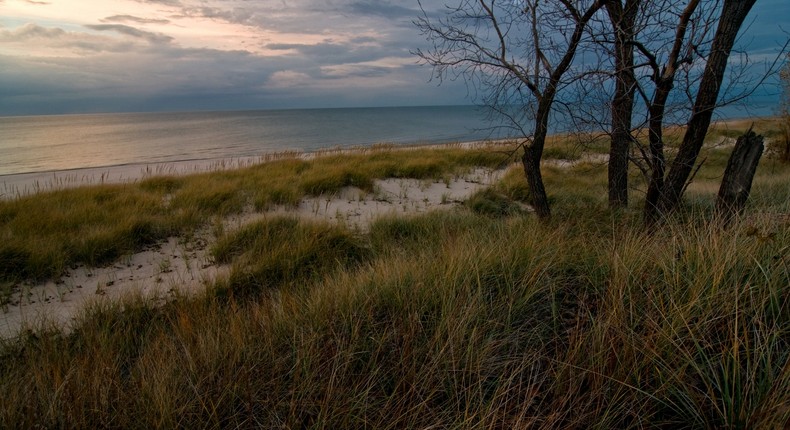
<point x="284" y="252"/>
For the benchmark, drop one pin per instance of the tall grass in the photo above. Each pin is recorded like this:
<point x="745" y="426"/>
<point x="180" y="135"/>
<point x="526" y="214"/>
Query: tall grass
<point x="43" y="234"/>
<point x="454" y="320"/>
<point x="462" y="319"/>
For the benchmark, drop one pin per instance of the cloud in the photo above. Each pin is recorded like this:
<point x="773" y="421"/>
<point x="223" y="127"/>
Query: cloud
<point x="154" y="38"/>
<point x="130" y="18"/>
<point x="32" y="40"/>
<point x="334" y="53"/>
<point x="235" y="15"/>
<point x="212" y="54"/>
<point x="162" y="2"/>
<point x="382" y="9"/>
<point x="29" y="32"/>
<point x="190" y="54"/>
<point x="289" y="79"/>
<point x="354" y="71"/>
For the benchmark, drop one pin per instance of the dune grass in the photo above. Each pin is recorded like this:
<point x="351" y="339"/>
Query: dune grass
<point x="480" y="317"/>
<point x="45" y="233"/>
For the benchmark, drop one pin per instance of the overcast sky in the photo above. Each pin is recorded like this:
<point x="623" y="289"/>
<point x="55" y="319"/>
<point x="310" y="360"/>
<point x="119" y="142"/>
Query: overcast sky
<point x="75" y="56"/>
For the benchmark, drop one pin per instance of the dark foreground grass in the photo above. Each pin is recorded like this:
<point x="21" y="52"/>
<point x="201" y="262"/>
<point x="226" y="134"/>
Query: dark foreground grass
<point x="503" y="324"/>
<point x="475" y="318"/>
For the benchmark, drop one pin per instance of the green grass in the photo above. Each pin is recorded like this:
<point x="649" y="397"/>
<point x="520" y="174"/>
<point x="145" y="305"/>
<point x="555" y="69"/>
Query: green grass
<point x="45" y="233"/>
<point x="480" y="317"/>
<point x="284" y="252"/>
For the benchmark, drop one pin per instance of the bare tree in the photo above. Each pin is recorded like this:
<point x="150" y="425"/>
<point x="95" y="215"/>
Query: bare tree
<point x="683" y="47"/>
<point x="517" y="53"/>
<point x="732" y="16"/>
<point x="671" y="40"/>
<point x="517" y="56"/>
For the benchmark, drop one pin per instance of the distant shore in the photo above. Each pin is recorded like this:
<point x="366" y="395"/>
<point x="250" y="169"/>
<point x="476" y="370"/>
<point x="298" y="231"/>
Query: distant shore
<point x="22" y="184"/>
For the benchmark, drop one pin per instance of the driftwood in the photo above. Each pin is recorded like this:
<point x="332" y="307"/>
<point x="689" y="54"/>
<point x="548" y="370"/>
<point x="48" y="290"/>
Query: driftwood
<point x="737" y="181"/>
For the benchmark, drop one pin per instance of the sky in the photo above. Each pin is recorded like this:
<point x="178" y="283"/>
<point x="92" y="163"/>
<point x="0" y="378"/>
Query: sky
<point x="80" y="56"/>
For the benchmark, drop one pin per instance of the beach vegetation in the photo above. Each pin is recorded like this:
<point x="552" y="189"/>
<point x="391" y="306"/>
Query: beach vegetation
<point x="45" y="233"/>
<point x="284" y="253"/>
<point x="480" y="316"/>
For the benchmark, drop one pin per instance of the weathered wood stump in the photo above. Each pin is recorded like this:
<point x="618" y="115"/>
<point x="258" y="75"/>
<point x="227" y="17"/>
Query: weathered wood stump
<point x="737" y="182"/>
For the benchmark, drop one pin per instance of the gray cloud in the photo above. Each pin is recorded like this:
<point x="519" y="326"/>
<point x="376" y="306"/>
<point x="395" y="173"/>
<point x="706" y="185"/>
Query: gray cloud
<point x="60" y="39"/>
<point x="135" y="19"/>
<point x="383" y="9"/>
<point x="162" y="2"/>
<point x="235" y="15"/>
<point x="336" y="53"/>
<point x="154" y="38"/>
<point x="356" y="71"/>
<point x="31" y="31"/>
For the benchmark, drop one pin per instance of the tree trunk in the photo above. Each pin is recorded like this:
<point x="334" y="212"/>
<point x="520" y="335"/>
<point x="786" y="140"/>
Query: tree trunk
<point x="656" y="159"/>
<point x="737" y="181"/>
<point x="532" y="156"/>
<point x="537" y="192"/>
<point x="784" y="147"/>
<point x="622" y="19"/>
<point x="733" y="14"/>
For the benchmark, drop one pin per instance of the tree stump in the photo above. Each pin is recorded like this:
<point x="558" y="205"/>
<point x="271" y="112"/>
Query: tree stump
<point x="737" y="181"/>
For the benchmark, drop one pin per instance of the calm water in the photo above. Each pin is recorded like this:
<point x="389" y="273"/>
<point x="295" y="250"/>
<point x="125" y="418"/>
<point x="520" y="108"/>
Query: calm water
<point x="46" y="143"/>
<point x="64" y="142"/>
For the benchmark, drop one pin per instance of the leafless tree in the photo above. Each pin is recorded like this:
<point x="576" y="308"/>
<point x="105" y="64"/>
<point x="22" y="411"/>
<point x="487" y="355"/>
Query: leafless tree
<point x="518" y="56"/>
<point x="518" y="53"/>
<point x="657" y="51"/>
<point x="690" y="32"/>
<point x="668" y="53"/>
<point x="670" y="190"/>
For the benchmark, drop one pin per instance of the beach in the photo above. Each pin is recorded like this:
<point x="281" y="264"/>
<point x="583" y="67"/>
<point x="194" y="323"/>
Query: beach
<point x="384" y="281"/>
<point x="184" y="266"/>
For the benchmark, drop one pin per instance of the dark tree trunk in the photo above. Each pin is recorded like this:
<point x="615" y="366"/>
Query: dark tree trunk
<point x="737" y="181"/>
<point x="784" y="149"/>
<point x="622" y="18"/>
<point x="665" y="81"/>
<point x="733" y="14"/>
<point x="532" y="156"/>
<point x="656" y="159"/>
<point x="537" y="192"/>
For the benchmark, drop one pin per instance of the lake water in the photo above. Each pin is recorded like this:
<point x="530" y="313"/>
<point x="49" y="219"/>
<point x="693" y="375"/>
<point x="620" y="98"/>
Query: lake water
<point x="36" y="144"/>
<point x="65" y="142"/>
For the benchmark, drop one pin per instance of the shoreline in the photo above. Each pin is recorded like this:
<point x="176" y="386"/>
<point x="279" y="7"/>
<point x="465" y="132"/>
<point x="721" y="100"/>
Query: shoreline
<point x="16" y="185"/>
